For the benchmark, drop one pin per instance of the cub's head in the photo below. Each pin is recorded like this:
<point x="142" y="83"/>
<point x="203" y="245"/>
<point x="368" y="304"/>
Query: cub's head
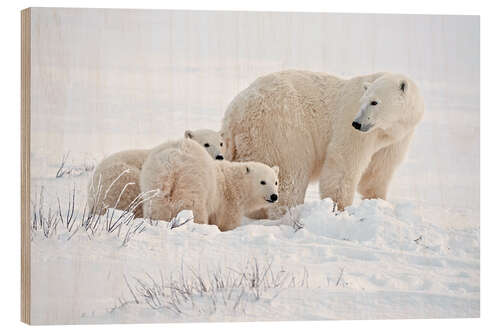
<point x="208" y="139"/>
<point x="389" y="101"/>
<point x="263" y="183"/>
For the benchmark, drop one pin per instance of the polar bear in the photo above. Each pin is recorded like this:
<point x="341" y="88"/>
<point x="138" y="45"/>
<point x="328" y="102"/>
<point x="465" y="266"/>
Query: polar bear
<point x="347" y="133"/>
<point x="219" y="193"/>
<point x="115" y="182"/>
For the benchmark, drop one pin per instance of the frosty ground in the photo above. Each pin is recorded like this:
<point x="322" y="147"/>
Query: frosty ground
<point x="377" y="259"/>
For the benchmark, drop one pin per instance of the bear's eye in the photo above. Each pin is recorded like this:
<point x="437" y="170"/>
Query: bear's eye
<point x="221" y="144"/>
<point x="263" y="182"/>
<point x="374" y="103"/>
<point x="207" y="145"/>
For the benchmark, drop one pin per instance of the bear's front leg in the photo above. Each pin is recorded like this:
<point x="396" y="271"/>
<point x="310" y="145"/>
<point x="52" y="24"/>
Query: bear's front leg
<point x="336" y="185"/>
<point x="340" y="176"/>
<point x="376" y="179"/>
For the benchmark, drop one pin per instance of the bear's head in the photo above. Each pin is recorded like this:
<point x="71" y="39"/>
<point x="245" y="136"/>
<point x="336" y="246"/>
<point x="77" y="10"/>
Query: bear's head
<point x="208" y="139"/>
<point x="262" y="184"/>
<point x="391" y="103"/>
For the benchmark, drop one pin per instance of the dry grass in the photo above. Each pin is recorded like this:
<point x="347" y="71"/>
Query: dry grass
<point x="67" y="219"/>
<point x="87" y="166"/>
<point x="189" y="290"/>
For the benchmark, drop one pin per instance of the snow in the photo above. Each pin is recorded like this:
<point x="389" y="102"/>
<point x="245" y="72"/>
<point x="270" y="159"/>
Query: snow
<point x="374" y="260"/>
<point x="415" y="255"/>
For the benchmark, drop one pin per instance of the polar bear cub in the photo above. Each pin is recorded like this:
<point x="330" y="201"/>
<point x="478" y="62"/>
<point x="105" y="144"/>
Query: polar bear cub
<point x="219" y="193"/>
<point x="115" y="182"/>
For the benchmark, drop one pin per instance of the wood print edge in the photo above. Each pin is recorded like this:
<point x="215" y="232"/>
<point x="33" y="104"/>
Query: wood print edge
<point x="25" y="165"/>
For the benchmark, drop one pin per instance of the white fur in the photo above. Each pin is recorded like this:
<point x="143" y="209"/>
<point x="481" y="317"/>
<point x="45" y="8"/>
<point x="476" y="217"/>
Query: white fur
<point x="219" y="193"/>
<point x="302" y="121"/>
<point x="115" y="182"/>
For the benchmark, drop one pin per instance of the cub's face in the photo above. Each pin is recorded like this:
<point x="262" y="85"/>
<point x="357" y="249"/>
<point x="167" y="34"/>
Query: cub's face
<point x="382" y="104"/>
<point x="208" y="139"/>
<point x="264" y="183"/>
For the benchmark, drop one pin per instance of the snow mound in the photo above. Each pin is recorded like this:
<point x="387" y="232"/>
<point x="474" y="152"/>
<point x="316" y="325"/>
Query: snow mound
<point x="377" y="224"/>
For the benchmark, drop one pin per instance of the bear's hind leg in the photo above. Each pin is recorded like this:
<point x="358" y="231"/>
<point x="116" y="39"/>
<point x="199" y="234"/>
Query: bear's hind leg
<point x="188" y="202"/>
<point x="159" y="209"/>
<point x="200" y="212"/>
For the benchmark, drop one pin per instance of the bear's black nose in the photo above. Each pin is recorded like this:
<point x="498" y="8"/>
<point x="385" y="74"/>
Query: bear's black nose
<point x="219" y="157"/>
<point x="274" y="197"/>
<point x="356" y="125"/>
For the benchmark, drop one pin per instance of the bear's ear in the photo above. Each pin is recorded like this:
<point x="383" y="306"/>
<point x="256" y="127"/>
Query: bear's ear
<point x="276" y="169"/>
<point x="188" y="134"/>
<point x="366" y="85"/>
<point x="247" y="170"/>
<point x="403" y="86"/>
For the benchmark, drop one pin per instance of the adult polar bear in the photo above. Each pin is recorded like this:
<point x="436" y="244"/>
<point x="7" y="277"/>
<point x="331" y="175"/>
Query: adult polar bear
<point x="348" y="133"/>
